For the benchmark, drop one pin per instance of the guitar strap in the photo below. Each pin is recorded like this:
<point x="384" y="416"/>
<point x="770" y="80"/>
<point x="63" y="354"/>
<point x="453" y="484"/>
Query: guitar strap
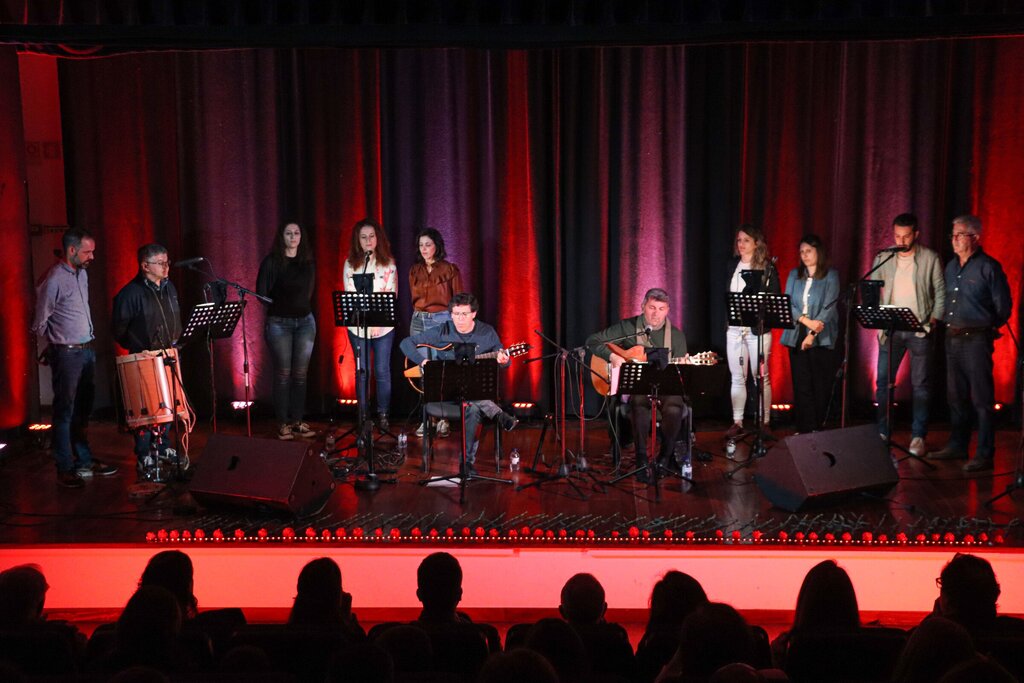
<point x="643" y="340"/>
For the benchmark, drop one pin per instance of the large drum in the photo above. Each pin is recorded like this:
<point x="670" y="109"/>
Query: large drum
<point x="148" y="388"/>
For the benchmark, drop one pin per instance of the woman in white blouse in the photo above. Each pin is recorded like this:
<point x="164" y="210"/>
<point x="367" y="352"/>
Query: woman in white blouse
<point x="370" y="253"/>
<point x="812" y="288"/>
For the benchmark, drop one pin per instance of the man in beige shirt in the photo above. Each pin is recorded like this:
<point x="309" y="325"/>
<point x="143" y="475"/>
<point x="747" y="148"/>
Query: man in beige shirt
<point x="913" y="279"/>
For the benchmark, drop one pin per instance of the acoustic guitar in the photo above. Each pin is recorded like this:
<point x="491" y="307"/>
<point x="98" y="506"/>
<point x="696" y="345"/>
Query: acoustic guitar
<point x="601" y="377"/>
<point x="415" y="372"/>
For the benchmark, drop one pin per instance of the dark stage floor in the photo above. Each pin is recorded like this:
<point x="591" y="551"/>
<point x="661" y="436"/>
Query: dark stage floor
<point x="925" y="501"/>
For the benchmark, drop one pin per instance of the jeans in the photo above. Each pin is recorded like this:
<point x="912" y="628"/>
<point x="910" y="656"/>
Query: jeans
<point x="475" y="412"/>
<point x="421" y="320"/>
<point x="380" y="349"/>
<point x="673" y="412"/>
<point x="741" y="349"/>
<point x="74" y="388"/>
<point x="920" y="358"/>
<point x="971" y="390"/>
<point x="291" y="345"/>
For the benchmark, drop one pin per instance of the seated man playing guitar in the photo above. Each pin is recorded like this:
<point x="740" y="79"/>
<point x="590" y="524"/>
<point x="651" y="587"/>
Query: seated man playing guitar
<point x="463" y="329"/>
<point x="650" y="329"/>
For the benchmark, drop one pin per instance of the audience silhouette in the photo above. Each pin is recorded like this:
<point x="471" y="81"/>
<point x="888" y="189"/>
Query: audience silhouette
<point x="673" y="598"/>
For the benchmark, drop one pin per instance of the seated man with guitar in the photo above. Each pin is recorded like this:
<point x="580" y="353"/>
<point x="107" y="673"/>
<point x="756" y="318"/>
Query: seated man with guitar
<point x="628" y="340"/>
<point x="441" y="340"/>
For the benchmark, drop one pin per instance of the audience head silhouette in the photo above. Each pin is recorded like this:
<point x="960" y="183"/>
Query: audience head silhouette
<point x="518" y="666"/>
<point x="22" y="595"/>
<point x="935" y="647"/>
<point x="439" y="583"/>
<point x="673" y="598"/>
<point x="827" y="601"/>
<point x="148" y="629"/>
<point x="561" y="645"/>
<point x="968" y="591"/>
<point x="712" y="636"/>
<point x="172" y="569"/>
<point x="318" y="597"/>
<point x="583" y="600"/>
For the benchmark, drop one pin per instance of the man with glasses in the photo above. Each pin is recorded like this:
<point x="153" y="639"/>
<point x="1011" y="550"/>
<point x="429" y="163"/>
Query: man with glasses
<point x="64" y="319"/>
<point x="147" y="318"/>
<point x="978" y="303"/>
<point x="913" y="279"/>
<point x="438" y="343"/>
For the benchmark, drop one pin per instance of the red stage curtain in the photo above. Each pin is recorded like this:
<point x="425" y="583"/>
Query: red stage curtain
<point x="566" y="181"/>
<point x="16" y="273"/>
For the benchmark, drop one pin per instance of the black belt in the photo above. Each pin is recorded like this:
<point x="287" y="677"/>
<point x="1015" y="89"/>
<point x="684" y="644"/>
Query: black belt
<point x="86" y="345"/>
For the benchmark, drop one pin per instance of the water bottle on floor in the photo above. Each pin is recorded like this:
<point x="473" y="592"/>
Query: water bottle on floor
<point x="513" y="460"/>
<point x="688" y="465"/>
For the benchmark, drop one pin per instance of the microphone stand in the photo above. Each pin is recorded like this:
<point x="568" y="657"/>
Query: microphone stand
<point x="242" y="292"/>
<point x="843" y="372"/>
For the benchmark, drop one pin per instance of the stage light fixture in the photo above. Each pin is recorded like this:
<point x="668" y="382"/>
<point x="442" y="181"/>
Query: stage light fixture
<point x="348" y="401"/>
<point x="998" y="406"/>
<point x="241" y="405"/>
<point x="40" y="427"/>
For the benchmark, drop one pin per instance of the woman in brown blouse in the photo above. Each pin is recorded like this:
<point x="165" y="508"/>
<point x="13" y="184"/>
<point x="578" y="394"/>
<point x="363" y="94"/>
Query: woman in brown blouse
<point x="433" y="281"/>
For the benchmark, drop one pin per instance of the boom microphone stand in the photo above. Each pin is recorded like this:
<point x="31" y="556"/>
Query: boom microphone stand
<point x="1018" y="474"/>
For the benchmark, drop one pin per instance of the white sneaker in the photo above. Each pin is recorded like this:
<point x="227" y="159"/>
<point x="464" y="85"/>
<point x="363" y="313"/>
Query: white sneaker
<point x="419" y="431"/>
<point x="302" y="429"/>
<point x="443" y="429"/>
<point x="918" y="447"/>
<point x="285" y="433"/>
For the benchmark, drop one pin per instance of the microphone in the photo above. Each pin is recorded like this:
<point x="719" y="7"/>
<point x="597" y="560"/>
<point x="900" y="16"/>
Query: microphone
<point x="893" y="250"/>
<point x="189" y="262"/>
<point x="647" y="330"/>
<point x="367" y="254"/>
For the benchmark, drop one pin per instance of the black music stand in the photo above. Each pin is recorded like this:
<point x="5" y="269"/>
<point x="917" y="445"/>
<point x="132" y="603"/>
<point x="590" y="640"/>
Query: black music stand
<point x="891" y="319"/>
<point x="462" y="382"/>
<point x="655" y="382"/>
<point x="364" y="309"/>
<point x="761" y="312"/>
<point x="209" y="321"/>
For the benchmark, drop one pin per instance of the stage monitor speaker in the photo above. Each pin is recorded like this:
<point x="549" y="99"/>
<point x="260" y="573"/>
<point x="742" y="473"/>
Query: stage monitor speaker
<point x="821" y="468"/>
<point x="284" y="475"/>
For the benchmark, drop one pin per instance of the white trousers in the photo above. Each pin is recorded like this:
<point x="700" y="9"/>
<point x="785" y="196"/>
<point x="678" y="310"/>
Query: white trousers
<point x="741" y="351"/>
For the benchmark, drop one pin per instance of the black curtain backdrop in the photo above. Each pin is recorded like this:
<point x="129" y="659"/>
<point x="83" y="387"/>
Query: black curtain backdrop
<point x="566" y="181"/>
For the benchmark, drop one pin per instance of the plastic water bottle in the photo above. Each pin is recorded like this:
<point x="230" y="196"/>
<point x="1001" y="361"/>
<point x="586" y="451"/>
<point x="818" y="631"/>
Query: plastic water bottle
<point x="688" y="465"/>
<point x="402" y="440"/>
<point x="513" y="460"/>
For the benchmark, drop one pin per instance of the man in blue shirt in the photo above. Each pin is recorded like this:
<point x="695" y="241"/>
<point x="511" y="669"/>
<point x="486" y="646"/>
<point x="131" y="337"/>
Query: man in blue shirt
<point x="64" y="319"/>
<point x="978" y="303"/>
<point x="463" y="328"/>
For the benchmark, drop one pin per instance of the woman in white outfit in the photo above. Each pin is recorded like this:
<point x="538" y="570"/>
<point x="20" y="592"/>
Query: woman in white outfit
<point x="750" y="254"/>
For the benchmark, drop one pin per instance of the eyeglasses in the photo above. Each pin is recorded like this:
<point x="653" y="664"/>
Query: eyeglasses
<point x="964" y="235"/>
<point x="162" y="264"/>
<point x="461" y="314"/>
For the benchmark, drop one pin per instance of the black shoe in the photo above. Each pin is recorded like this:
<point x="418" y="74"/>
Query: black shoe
<point x="702" y="456"/>
<point x="948" y="453"/>
<point x="98" y="469"/>
<point x="978" y="465"/>
<point x="382" y="422"/>
<point x="508" y="422"/>
<point x="70" y="480"/>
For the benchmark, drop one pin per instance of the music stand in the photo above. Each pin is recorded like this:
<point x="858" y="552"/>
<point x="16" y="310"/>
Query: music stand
<point x="762" y="312"/>
<point x="456" y="381"/>
<point x="891" y="319"/>
<point x="647" y="378"/>
<point x="209" y="321"/>
<point x="363" y="310"/>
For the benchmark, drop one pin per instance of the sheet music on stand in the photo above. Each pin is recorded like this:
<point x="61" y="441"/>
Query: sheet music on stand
<point x="354" y="309"/>
<point x="643" y="378"/>
<point x="220" y="319"/>
<point x="896" y="318"/>
<point x="744" y="310"/>
<point x="449" y="380"/>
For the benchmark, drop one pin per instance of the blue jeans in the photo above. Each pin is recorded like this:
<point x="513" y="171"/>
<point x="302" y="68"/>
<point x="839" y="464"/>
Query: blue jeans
<point x="971" y="391"/>
<point x="380" y="349"/>
<point x="920" y="349"/>
<point x="74" y="388"/>
<point x="421" y="320"/>
<point x="291" y="345"/>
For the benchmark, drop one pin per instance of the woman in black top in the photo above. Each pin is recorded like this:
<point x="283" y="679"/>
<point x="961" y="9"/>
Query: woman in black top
<point x="287" y="276"/>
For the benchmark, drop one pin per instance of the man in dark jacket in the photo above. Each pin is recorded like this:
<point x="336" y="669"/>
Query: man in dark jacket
<point x="147" y="320"/>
